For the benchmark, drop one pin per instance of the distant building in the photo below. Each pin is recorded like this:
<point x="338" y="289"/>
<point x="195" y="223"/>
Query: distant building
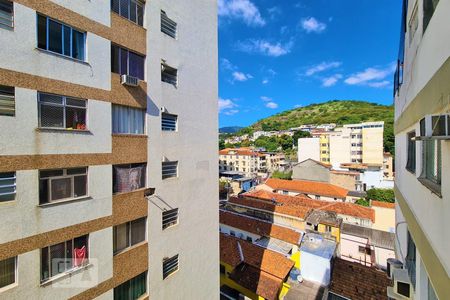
<point x="243" y="160"/>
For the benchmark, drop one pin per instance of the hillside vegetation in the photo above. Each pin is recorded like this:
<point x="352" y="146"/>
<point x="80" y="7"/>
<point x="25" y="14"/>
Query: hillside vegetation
<point x="340" y="112"/>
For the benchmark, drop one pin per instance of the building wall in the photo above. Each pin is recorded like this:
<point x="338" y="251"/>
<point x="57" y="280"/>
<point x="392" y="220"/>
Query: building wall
<point x="384" y="219"/>
<point x="324" y="148"/>
<point x="343" y="180"/>
<point x="310" y="170"/>
<point x="339" y="150"/>
<point x="308" y="148"/>
<point x="372" y="150"/>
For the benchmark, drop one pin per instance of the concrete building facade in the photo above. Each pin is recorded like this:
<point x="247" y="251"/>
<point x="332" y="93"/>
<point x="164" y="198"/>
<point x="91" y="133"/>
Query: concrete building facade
<point x="422" y="159"/>
<point x="91" y="117"/>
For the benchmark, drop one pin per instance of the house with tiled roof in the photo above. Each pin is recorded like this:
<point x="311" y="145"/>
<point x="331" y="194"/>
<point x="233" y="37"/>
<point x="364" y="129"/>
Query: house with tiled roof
<point x="311" y="189"/>
<point x="243" y="160"/>
<point x="253" y="271"/>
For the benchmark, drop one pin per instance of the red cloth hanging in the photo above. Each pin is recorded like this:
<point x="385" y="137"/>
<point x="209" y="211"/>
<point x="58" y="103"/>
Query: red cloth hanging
<point x="79" y="255"/>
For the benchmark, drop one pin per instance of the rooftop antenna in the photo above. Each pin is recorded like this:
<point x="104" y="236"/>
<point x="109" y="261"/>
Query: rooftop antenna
<point x="241" y="254"/>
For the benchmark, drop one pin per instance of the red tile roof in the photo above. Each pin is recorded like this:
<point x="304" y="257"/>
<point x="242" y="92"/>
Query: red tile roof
<point x="259" y="227"/>
<point x="355" y="281"/>
<point x="383" y="204"/>
<point x="240" y="151"/>
<point x="308" y="187"/>
<point x="300" y="206"/>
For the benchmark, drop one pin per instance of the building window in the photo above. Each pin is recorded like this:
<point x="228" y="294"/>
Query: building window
<point x="169" y="74"/>
<point x="429" y="6"/>
<point x="125" y="62"/>
<point x="170" y="266"/>
<point x="168" y="122"/>
<point x="169" y="218"/>
<point x="317" y="197"/>
<point x="327" y="228"/>
<point x="232" y="233"/>
<point x="431" y="164"/>
<point x="132" y="289"/>
<point x="60" y="38"/>
<point x="62" y="184"/>
<point x="7" y="99"/>
<point x="127" y="120"/>
<point x="410" y="260"/>
<point x="222" y="269"/>
<point x="132" y="10"/>
<point x="168" y="26"/>
<point x="7" y="186"/>
<point x="413" y="24"/>
<point x="61" y="112"/>
<point x="6" y="13"/>
<point x="249" y="238"/>
<point x="127" y="178"/>
<point x="8" y="271"/>
<point x="364" y="250"/>
<point x="169" y="169"/>
<point x="128" y="234"/>
<point x="411" y="160"/>
<point x="64" y="257"/>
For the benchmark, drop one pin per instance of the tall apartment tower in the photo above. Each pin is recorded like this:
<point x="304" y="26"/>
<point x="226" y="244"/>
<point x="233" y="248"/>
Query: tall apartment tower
<point x="100" y="102"/>
<point x="422" y="104"/>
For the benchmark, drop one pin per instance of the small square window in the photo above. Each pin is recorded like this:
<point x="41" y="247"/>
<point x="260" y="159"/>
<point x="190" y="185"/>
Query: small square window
<point x="169" y="218"/>
<point x="6" y="13"/>
<point x="8" y="271"/>
<point x="7" y="100"/>
<point x="170" y="266"/>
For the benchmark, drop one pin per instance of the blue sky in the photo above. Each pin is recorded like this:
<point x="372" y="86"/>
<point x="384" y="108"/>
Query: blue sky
<point x="278" y="55"/>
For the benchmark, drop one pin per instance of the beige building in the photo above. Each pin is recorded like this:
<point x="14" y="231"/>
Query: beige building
<point x="422" y="161"/>
<point x="244" y="160"/>
<point x="97" y="106"/>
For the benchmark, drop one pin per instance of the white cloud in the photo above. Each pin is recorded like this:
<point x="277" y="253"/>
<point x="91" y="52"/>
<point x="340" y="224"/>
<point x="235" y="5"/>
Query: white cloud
<point x="225" y="104"/>
<point x="323" y="66"/>
<point x="271" y="105"/>
<point x="332" y="80"/>
<point x="274" y="12"/>
<point x="371" y="76"/>
<point x="239" y="76"/>
<point x="265" y="81"/>
<point x="298" y="106"/>
<point x="265" y="47"/>
<point x="312" y="25"/>
<point x="243" y="10"/>
<point x="380" y="84"/>
<point x="227" y="65"/>
<point x="231" y="112"/>
<point x="266" y="99"/>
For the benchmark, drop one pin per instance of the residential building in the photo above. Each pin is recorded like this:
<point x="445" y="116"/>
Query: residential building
<point x="243" y="160"/>
<point x="92" y="123"/>
<point x="422" y="163"/>
<point x="388" y="166"/>
<point x="309" y="148"/>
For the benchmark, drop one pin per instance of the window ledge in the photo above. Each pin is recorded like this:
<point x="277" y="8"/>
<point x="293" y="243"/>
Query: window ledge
<point x="432" y="186"/>
<point x="130" y="248"/>
<point x="65" y="275"/>
<point x="133" y="191"/>
<point x="56" y="203"/>
<point x="9" y="287"/>
<point x="64" y="130"/>
<point x="63" y="56"/>
<point x="130" y="135"/>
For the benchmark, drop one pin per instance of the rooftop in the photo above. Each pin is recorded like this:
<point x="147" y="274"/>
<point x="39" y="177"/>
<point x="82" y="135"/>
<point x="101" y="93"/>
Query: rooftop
<point x="315" y="244"/>
<point x="355" y="281"/>
<point x="275" y="245"/>
<point x="240" y="151"/>
<point x="383" y="204"/>
<point x="324" y="217"/>
<point x="308" y="187"/>
<point x="378" y="238"/>
<point x="259" y="227"/>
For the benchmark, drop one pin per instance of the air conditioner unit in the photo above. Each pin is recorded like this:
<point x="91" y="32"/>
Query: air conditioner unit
<point x="129" y="80"/>
<point x="393" y="264"/>
<point x="435" y="127"/>
<point x="402" y="289"/>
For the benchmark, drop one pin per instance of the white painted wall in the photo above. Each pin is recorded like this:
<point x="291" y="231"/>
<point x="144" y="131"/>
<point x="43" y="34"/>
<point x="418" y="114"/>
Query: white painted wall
<point x="315" y="268"/>
<point x="98" y="11"/>
<point x="308" y="148"/>
<point x="339" y="150"/>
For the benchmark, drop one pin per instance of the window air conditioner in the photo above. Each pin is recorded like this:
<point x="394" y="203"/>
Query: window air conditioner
<point x="402" y="289"/>
<point x="393" y="264"/>
<point x="435" y="127"/>
<point x="129" y="80"/>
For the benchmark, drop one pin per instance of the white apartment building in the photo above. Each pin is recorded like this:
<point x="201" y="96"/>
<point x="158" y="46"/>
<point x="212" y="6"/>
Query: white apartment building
<point x="97" y="106"/>
<point x="243" y="160"/>
<point x="422" y="189"/>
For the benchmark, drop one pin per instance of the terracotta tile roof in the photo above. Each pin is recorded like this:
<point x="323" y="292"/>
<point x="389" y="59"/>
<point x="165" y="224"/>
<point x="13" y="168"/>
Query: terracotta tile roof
<point x="308" y="187"/>
<point x="355" y="281"/>
<point x="240" y="151"/>
<point x="259" y="227"/>
<point x="304" y="205"/>
<point x="383" y="204"/>
<point x="268" y="261"/>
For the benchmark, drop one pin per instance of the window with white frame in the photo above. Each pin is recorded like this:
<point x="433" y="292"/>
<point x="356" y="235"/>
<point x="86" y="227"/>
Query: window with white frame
<point x="126" y="62"/>
<point x="413" y="24"/>
<point x="169" y="74"/>
<point x="168" y="26"/>
<point x="128" y="234"/>
<point x="170" y="266"/>
<point x="127" y="120"/>
<point x="411" y="145"/>
<point x="169" y="169"/>
<point x="134" y="288"/>
<point x="132" y="10"/>
<point x="57" y="37"/>
<point x="62" y="184"/>
<point x="8" y="274"/>
<point x="64" y="257"/>
<point x="129" y="177"/>
<point x="431" y="164"/>
<point x="7" y="101"/>
<point x="169" y="218"/>
<point x="7" y="186"/>
<point x="168" y="122"/>
<point x="61" y="112"/>
<point x="6" y="13"/>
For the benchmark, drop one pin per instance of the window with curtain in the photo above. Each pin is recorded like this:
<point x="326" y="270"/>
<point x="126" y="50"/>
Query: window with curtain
<point x="132" y="289"/>
<point x="125" y="62"/>
<point x="431" y="165"/>
<point x="7" y="271"/>
<point x="64" y="257"/>
<point x="128" y="234"/>
<point x="127" y="178"/>
<point x="132" y="10"/>
<point x="411" y="144"/>
<point x="60" y="38"/>
<point x="127" y="120"/>
<point x="62" y="112"/>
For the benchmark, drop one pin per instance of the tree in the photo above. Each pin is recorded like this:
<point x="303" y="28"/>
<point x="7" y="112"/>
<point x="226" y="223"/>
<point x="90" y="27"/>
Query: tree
<point x="282" y="175"/>
<point x="285" y="142"/>
<point x="221" y="144"/>
<point x="383" y="195"/>
<point x="300" y="134"/>
<point x="362" y="202"/>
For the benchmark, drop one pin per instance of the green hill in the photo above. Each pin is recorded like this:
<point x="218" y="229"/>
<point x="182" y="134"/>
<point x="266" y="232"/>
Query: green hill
<point x="340" y="112"/>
